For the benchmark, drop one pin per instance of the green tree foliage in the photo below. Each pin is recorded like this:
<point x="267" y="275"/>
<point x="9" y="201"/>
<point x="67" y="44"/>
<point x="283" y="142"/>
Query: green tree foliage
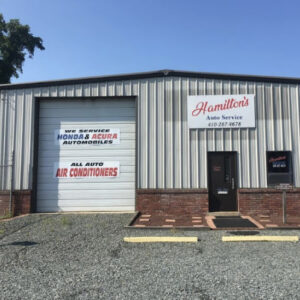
<point x="16" y="41"/>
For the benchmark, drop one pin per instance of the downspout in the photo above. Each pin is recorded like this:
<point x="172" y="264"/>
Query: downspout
<point x="11" y="181"/>
<point x="11" y="166"/>
<point x="12" y="160"/>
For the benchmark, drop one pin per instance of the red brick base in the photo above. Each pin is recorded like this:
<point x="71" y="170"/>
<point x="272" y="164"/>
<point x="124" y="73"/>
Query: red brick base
<point x="21" y="202"/>
<point x="172" y="201"/>
<point x="263" y="205"/>
<point x="266" y="204"/>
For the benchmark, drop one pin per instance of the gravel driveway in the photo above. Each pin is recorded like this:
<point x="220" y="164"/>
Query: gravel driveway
<point x="84" y="257"/>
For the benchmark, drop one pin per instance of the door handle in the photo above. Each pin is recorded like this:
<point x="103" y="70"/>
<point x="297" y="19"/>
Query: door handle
<point x="232" y="183"/>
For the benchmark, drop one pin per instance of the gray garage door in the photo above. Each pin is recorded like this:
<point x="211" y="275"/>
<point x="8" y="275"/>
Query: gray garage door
<point x="86" y="158"/>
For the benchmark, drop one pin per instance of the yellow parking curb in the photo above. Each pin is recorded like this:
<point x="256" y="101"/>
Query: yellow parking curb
<point x="266" y="238"/>
<point x="161" y="239"/>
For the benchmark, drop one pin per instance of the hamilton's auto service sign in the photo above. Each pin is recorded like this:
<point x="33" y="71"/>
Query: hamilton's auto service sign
<point x="87" y="136"/>
<point x="221" y="111"/>
<point x="86" y="169"/>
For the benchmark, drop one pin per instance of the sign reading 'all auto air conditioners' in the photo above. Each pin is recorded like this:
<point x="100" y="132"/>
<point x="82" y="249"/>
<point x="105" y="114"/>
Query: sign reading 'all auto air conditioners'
<point x="91" y="136"/>
<point x="221" y="111"/>
<point x="86" y="169"/>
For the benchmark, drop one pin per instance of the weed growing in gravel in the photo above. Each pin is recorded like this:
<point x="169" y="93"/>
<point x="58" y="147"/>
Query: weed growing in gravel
<point x="174" y="230"/>
<point x="65" y="221"/>
<point x="2" y="230"/>
<point x="48" y="223"/>
<point x="7" y="215"/>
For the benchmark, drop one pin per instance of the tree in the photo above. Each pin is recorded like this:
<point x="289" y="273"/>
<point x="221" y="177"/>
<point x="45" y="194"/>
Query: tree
<point x="16" y="41"/>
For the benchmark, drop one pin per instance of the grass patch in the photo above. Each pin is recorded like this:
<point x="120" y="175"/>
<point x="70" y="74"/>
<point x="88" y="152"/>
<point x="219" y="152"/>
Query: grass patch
<point x="65" y="221"/>
<point x="175" y="230"/>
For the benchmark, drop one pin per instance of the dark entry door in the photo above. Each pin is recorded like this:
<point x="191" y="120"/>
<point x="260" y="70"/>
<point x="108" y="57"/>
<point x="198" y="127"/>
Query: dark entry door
<point x="222" y="181"/>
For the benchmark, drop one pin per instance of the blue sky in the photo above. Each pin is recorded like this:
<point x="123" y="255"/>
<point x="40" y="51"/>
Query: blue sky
<point x="95" y="37"/>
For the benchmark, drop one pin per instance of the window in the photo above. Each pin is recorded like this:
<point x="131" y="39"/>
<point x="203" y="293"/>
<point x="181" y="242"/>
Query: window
<point x="279" y="166"/>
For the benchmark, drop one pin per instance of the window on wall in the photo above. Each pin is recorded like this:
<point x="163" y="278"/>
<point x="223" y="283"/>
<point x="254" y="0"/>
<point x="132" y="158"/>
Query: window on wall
<point x="279" y="167"/>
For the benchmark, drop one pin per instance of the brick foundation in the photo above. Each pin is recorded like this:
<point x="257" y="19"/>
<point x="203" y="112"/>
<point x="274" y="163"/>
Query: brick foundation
<point x="21" y="202"/>
<point x="172" y="201"/>
<point x="263" y="205"/>
<point x="267" y="204"/>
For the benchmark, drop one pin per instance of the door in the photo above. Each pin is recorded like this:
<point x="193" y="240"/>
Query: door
<point x="222" y="181"/>
<point x="86" y="155"/>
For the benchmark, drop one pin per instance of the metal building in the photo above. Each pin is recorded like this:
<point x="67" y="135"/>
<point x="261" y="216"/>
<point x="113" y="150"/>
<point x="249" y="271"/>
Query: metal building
<point x="155" y="151"/>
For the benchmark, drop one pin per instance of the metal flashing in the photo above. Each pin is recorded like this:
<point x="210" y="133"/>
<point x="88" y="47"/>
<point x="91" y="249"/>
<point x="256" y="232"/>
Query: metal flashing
<point x="152" y="74"/>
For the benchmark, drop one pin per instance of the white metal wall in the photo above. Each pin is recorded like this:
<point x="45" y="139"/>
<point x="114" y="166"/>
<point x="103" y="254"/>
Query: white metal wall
<point x="169" y="155"/>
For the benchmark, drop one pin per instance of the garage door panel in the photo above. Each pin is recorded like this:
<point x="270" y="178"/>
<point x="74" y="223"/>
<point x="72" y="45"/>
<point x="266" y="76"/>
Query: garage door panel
<point x="87" y="202"/>
<point x="123" y="169"/>
<point x="50" y="146"/>
<point x="82" y="194"/>
<point x="87" y="121"/>
<point x="89" y="186"/>
<point x="77" y="113"/>
<point x="104" y="203"/>
<point x="126" y="177"/>
<point x="124" y="161"/>
<point x="89" y="153"/>
<point x="87" y="193"/>
<point x="49" y="128"/>
<point x="85" y="105"/>
<point x="124" y="136"/>
<point x="84" y="207"/>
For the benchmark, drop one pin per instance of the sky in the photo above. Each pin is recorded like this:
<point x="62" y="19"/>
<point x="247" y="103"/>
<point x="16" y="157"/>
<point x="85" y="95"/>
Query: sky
<point x="100" y="37"/>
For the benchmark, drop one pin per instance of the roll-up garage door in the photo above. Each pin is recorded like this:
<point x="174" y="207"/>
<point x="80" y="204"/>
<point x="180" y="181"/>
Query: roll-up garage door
<point x="86" y="155"/>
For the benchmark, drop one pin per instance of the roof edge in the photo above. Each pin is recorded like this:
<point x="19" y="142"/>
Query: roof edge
<point x="152" y="74"/>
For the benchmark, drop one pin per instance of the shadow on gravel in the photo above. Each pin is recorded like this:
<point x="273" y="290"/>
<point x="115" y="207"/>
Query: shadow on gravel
<point x="23" y="243"/>
<point x="115" y="253"/>
<point x="197" y="291"/>
<point x="15" y="225"/>
<point x="244" y="232"/>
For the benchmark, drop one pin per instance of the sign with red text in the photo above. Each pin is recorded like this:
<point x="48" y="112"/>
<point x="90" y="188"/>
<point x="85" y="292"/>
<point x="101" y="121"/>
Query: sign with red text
<point x="87" y="136"/>
<point x="86" y="169"/>
<point x="221" y="111"/>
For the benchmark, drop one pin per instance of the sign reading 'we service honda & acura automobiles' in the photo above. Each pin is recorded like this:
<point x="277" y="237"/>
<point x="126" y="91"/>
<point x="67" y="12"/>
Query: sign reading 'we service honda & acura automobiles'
<point x="221" y="111"/>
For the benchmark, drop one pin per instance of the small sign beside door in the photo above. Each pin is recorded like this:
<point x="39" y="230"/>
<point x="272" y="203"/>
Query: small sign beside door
<point x="222" y="191"/>
<point x="216" y="168"/>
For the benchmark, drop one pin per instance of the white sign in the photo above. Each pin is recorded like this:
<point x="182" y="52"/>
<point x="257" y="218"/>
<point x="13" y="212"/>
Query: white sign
<point x="91" y="136"/>
<point x="221" y="111"/>
<point x="86" y="169"/>
<point x="284" y="186"/>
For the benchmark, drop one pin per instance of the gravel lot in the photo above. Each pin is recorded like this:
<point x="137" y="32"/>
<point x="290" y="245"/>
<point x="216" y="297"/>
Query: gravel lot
<point x="84" y="257"/>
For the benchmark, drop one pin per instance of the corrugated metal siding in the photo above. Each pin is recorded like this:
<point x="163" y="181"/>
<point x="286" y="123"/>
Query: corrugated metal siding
<point x="168" y="154"/>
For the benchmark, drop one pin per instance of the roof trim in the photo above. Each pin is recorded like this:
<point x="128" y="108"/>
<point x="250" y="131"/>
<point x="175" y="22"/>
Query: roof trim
<point x="152" y="74"/>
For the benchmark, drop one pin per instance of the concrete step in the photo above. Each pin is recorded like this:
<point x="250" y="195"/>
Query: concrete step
<point x="224" y="214"/>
